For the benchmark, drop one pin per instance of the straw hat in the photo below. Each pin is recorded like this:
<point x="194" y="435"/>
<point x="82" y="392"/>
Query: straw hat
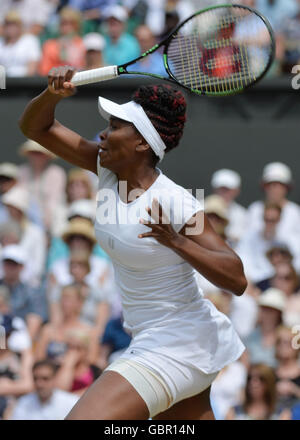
<point x="13" y="16"/>
<point x="30" y="146"/>
<point x="214" y="204"/>
<point x="79" y="226"/>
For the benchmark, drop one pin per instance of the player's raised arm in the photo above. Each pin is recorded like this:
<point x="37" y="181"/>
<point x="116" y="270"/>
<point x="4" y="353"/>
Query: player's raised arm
<point x="38" y="122"/>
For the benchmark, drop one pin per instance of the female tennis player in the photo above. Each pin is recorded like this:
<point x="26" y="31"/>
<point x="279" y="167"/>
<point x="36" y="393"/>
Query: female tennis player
<point x="179" y="340"/>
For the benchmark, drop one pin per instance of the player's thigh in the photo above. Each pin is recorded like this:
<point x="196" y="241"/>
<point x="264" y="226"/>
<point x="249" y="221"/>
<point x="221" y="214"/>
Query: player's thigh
<point x="111" y="397"/>
<point x="197" y="407"/>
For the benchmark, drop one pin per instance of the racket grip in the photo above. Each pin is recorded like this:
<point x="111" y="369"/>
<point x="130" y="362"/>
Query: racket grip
<point x="95" y="75"/>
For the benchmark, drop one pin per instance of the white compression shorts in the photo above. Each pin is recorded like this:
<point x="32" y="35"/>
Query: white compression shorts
<point x="158" y="393"/>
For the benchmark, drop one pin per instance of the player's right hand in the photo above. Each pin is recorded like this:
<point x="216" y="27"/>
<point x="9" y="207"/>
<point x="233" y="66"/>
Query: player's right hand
<point x="59" y="81"/>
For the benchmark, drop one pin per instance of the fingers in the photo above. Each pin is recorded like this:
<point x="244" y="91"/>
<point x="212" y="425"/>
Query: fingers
<point x="149" y="234"/>
<point x="157" y="214"/>
<point x="59" y="80"/>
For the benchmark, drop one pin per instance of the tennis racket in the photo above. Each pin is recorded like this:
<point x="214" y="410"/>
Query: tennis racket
<point x="221" y="50"/>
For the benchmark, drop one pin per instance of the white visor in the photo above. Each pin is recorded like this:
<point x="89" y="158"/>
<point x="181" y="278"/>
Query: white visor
<point x="134" y="113"/>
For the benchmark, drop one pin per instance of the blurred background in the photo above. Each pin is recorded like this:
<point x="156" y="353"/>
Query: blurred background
<point x="59" y="304"/>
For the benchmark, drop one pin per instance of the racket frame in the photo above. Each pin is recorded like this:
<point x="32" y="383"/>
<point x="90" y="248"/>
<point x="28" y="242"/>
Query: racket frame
<point x="122" y="69"/>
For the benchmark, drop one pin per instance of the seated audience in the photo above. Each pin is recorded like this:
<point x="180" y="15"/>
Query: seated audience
<point x="120" y="46"/>
<point x="260" y="344"/>
<point x="15" y="369"/>
<point x="288" y="369"/>
<point x="26" y="302"/>
<point x="68" y="48"/>
<point x="8" y="178"/>
<point x="94" y="44"/>
<point x="76" y="372"/>
<point x="259" y="402"/>
<point x="44" y="181"/>
<point x="46" y="402"/>
<point x="19" y="52"/>
<point x="33" y="240"/>
<point x="276" y="183"/>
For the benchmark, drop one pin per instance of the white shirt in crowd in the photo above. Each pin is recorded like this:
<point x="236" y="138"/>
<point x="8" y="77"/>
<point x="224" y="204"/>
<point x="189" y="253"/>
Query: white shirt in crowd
<point x="237" y="225"/>
<point x="15" y="57"/>
<point x="227" y="388"/>
<point x="34" y="244"/>
<point x="289" y="225"/>
<point x="29" y="407"/>
<point x="31" y="11"/>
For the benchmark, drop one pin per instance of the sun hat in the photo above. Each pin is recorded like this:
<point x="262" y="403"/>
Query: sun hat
<point x="226" y="178"/>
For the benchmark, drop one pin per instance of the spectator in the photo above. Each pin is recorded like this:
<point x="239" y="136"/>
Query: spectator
<point x="15" y="374"/>
<point x="260" y="396"/>
<point x="78" y="187"/>
<point x="19" y="53"/>
<point x="76" y="373"/>
<point x="277" y="10"/>
<point x="255" y="244"/>
<point x="91" y="10"/>
<point x="19" y="339"/>
<point x="8" y="178"/>
<point x="79" y="209"/>
<point x="288" y="369"/>
<point x="276" y="183"/>
<point x="217" y="213"/>
<point x="261" y="342"/>
<point x="120" y="46"/>
<point x="287" y="279"/>
<point x="44" y="181"/>
<point x="52" y="341"/>
<point x="94" y="44"/>
<point x="33" y="239"/>
<point x="68" y="48"/>
<point x="26" y="302"/>
<point x="95" y="309"/>
<point x="34" y="13"/>
<point x="227" y="184"/>
<point x="154" y="63"/>
<point x="46" y="402"/>
<point x="79" y="236"/>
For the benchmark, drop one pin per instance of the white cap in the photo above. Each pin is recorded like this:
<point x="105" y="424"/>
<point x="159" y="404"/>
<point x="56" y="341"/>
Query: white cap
<point x="85" y="208"/>
<point x="8" y="169"/>
<point x="15" y="253"/>
<point x="117" y="12"/>
<point x="273" y="298"/>
<point x="94" y="41"/>
<point x="226" y="178"/>
<point x="134" y="113"/>
<point x="17" y="197"/>
<point x="277" y="172"/>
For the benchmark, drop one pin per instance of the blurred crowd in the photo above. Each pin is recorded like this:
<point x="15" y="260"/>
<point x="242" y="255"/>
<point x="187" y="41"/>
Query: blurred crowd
<point x="36" y="35"/>
<point x="60" y="311"/>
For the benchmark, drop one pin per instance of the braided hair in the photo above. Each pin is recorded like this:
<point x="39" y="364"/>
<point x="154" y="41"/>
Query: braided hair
<point x="166" y="108"/>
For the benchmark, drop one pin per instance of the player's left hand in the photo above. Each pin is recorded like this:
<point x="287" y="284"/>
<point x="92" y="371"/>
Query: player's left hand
<point x="162" y="229"/>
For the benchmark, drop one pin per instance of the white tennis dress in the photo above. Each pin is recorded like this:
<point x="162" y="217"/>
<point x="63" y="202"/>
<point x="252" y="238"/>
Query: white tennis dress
<point x="171" y="323"/>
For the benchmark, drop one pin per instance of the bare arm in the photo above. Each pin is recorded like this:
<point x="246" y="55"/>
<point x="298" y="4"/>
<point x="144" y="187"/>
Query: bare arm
<point x="38" y="123"/>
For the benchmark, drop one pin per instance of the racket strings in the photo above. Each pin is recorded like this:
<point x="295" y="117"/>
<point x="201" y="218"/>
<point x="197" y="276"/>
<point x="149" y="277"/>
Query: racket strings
<point x="220" y="50"/>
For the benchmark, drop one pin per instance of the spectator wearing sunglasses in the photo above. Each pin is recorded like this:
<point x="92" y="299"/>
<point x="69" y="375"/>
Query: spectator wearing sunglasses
<point x="46" y="402"/>
<point x="260" y="396"/>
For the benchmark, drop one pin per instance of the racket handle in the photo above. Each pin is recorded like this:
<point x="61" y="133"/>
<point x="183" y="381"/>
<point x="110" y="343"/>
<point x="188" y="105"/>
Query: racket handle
<point x="95" y="75"/>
